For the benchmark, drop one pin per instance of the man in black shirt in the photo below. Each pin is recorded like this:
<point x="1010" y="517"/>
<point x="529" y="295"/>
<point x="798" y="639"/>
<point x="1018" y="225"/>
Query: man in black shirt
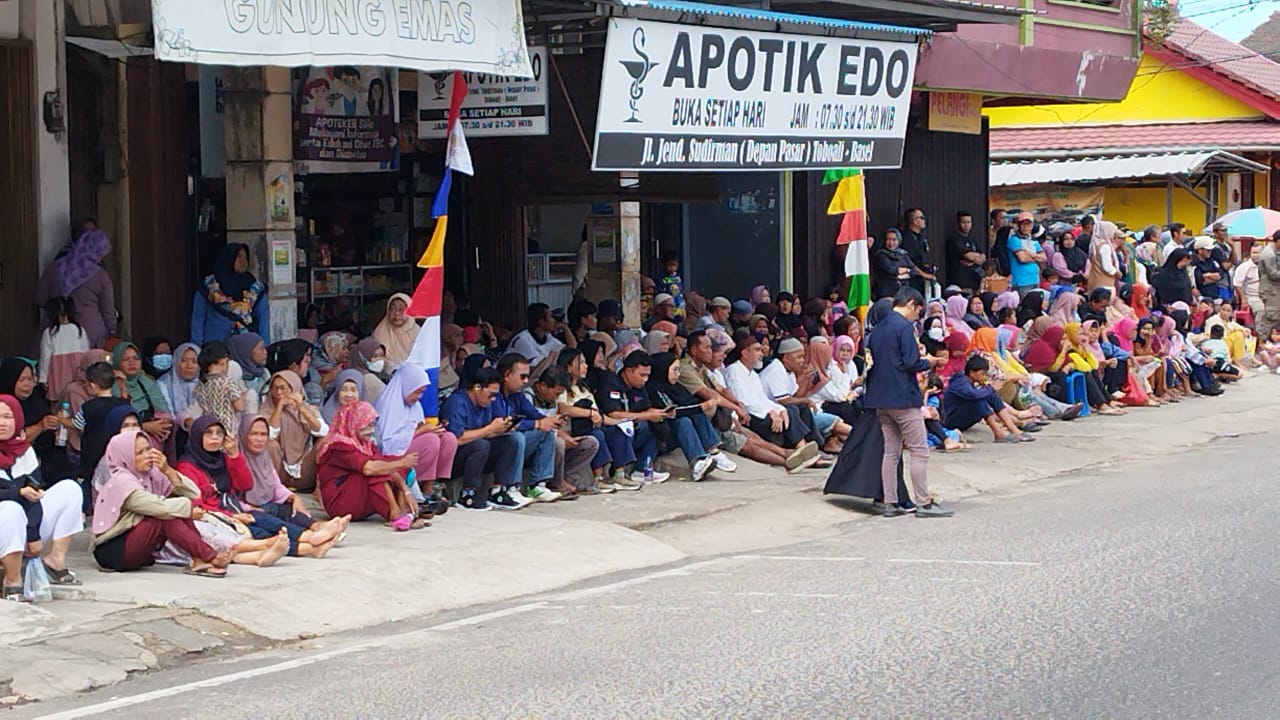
<point x="964" y="256"/>
<point x="916" y="244"/>
<point x="1209" y="272"/>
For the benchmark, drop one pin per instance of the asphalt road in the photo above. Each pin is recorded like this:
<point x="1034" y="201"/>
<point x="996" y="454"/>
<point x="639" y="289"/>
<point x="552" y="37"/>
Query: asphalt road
<point x="1135" y="591"/>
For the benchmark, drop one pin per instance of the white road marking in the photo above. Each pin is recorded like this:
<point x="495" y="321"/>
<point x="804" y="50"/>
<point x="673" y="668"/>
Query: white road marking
<point x="403" y="639"/>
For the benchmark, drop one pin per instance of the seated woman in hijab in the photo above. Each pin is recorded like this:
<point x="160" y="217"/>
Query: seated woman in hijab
<point x="269" y="496"/>
<point x="838" y="382"/>
<point x="144" y="504"/>
<point x="18" y="379"/>
<point x="213" y="461"/>
<point x="891" y="266"/>
<point x="296" y="426"/>
<point x="397" y="331"/>
<point x="356" y="480"/>
<point x="178" y="386"/>
<point x="330" y="357"/>
<point x="347" y="389"/>
<point x="1070" y="260"/>
<point x="231" y="300"/>
<point x="370" y="358"/>
<point x="403" y="428"/>
<point x="249" y="351"/>
<point x="51" y="505"/>
<point x="143" y="393"/>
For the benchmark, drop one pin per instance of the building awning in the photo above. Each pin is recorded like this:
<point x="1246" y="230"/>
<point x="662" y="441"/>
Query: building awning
<point x="747" y="18"/>
<point x="114" y="49"/>
<point x="1119" y="167"/>
<point x="1056" y="142"/>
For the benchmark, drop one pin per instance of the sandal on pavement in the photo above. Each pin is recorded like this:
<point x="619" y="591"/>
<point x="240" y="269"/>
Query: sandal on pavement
<point x="61" y="577"/>
<point x="403" y="523"/>
<point x="208" y="571"/>
<point x="14" y="593"/>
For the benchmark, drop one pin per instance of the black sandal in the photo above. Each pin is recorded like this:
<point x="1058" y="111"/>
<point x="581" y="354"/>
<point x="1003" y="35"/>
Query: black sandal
<point x="13" y="592"/>
<point x="61" y="577"/>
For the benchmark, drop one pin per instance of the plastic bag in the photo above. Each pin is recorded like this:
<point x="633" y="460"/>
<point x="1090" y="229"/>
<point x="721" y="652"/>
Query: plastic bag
<point x="35" y="582"/>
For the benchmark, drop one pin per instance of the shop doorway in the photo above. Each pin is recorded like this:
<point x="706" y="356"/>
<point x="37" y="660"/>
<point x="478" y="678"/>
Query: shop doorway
<point x="19" y="244"/>
<point x="736" y="243"/>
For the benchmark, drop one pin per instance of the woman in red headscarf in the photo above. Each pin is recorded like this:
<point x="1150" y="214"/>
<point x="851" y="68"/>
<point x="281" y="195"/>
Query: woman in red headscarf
<point x="355" y="479"/>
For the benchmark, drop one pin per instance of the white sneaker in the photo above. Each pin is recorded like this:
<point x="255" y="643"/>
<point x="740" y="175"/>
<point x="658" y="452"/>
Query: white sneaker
<point x="541" y="493"/>
<point x="724" y="463"/>
<point x="658" y="478"/>
<point x="520" y="498"/>
<point x="701" y="467"/>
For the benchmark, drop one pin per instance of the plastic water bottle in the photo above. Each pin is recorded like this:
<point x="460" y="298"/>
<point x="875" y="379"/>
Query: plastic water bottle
<point x="648" y="470"/>
<point x="60" y="439"/>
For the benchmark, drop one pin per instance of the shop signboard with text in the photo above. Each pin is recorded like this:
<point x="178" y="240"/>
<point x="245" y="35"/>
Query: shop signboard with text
<point x="495" y="105"/>
<point x="345" y="119"/>
<point x="485" y="36"/>
<point x="688" y="98"/>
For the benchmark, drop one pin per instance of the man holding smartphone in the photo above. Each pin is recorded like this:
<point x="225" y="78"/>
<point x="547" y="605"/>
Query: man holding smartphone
<point x="535" y="435"/>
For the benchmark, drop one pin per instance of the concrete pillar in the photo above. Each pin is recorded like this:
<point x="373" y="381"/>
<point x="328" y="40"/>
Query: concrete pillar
<point x="629" y="249"/>
<point x="260" y="213"/>
<point x="42" y="22"/>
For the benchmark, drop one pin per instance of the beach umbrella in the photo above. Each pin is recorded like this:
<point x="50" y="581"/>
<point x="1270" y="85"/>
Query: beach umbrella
<point x="1258" y="222"/>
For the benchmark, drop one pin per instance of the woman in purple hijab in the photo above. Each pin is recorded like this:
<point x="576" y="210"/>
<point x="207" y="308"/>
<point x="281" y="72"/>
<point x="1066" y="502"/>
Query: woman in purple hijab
<point x="79" y="275"/>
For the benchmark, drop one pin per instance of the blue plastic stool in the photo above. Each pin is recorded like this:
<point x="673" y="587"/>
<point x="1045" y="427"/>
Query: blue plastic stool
<point x="1078" y="392"/>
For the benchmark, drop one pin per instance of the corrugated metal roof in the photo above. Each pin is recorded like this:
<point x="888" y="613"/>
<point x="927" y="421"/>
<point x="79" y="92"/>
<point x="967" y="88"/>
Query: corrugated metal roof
<point x="1112" y="168"/>
<point x="1225" y="57"/>
<point x="771" y="16"/>
<point x="1126" y="139"/>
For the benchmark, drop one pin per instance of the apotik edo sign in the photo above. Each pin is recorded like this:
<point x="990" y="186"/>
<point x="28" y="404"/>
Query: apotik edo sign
<point x="494" y="105"/>
<point x="676" y="97"/>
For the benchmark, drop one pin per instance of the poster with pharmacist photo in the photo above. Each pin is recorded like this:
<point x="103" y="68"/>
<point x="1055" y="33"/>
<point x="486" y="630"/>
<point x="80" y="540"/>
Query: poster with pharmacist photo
<point x="345" y="119"/>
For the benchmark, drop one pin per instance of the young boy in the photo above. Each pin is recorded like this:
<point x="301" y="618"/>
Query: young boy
<point x="671" y="283"/>
<point x="1216" y="350"/>
<point x="91" y="420"/>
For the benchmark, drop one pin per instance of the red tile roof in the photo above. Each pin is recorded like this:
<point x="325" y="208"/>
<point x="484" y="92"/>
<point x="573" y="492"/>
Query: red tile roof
<point x="1203" y="48"/>
<point x="1175" y="136"/>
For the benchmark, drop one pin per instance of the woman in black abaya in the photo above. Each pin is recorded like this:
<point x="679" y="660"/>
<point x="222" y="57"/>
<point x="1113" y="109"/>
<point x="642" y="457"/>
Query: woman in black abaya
<point x="857" y="469"/>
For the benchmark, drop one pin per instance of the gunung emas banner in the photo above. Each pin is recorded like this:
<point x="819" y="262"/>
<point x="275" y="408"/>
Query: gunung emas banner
<point x="677" y="97"/>
<point x="485" y="36"/>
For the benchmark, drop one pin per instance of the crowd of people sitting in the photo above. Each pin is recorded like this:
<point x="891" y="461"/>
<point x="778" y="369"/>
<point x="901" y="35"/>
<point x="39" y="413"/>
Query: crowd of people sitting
<point x="204" y="454"/>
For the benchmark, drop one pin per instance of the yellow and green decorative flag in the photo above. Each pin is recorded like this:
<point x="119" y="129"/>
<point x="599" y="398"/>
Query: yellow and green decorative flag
<point x="850" y="201"/>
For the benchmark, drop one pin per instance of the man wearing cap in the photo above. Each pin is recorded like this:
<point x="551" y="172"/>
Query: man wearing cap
<point x="697" y="376"/>
<point x="1225" y="253"/>
<point x="1025" y="256"/>
<point x="609" y="317"/>
<point x="1209" y="272"/>
<point x="894" y="394"/>
<point x="664" y="308"/>
<point x="739" y="314"/>
<point x="1269" y="285"/>
<point x="789" y="381"/>
<point x="782" y="425"/>
<point x="717" y="314"/>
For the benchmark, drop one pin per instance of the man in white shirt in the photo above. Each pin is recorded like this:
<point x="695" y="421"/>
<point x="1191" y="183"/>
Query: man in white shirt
<point x="1245" y="280"/>
<point x="782" y="425"/>
<point x="537" y="343"/>
<point x="789" y="381"/>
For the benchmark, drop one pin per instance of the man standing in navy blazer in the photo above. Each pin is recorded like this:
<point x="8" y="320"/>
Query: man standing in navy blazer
<point x="894" y="393"/>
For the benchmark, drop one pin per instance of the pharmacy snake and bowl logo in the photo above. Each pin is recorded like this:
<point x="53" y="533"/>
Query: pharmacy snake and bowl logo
<point x="638" y="70"/>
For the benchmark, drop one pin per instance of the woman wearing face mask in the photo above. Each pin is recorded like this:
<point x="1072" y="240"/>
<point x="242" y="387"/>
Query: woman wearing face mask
<point x="932" y="336"/>
<point x="157" y="356"/>
<point x="370" y="358"/>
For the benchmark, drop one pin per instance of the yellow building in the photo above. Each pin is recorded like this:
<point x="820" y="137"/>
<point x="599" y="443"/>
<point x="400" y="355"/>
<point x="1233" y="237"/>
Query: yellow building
<point x="1197" y="135"/>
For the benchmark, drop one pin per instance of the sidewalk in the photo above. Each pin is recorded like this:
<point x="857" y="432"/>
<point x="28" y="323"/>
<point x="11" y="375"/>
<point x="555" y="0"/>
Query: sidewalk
<point x="119" y="623"/>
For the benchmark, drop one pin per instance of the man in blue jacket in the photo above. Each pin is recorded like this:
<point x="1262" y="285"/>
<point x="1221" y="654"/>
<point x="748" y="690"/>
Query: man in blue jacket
<point x="534" y="434"/>
<point x="894" y="393"/>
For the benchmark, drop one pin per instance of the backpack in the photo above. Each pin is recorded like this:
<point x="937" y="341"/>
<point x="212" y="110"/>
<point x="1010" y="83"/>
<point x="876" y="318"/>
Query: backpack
<point x="1000" y="252"/>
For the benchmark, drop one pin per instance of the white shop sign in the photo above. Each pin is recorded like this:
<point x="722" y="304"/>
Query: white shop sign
<point x="427" y="35"/>
<point x="681" y="97"/>
<point x="495" y="105"/>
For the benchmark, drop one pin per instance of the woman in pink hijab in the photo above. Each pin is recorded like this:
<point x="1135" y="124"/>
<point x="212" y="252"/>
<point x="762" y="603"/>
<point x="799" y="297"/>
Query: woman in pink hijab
<point x="144" y="504"/>
<point x="957" y="306"/>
